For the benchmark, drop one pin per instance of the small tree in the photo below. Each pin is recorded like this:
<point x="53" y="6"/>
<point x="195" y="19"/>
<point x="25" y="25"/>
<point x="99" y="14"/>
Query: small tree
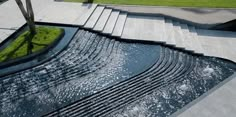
<point x="28" y="15"/>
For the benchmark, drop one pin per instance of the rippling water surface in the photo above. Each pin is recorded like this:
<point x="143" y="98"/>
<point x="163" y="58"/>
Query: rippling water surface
<point x="159" y="80"/>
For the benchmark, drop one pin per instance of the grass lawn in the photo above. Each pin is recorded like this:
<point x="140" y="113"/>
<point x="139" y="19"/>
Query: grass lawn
<point x="178" y="3"/>
<point x="18" y="48"/>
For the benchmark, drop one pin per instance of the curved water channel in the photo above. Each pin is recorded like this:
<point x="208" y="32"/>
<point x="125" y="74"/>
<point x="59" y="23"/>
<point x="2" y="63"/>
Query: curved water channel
<point x="99" y="76"/>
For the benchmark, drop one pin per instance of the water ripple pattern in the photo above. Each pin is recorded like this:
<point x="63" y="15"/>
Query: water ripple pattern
<point x="89" y="64"/>
<point x="100" y="76"/>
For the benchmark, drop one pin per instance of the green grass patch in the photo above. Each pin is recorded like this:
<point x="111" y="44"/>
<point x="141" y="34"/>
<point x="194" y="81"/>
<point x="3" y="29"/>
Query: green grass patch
<point x="177" y="3"/>
<point x="19" y="47"/>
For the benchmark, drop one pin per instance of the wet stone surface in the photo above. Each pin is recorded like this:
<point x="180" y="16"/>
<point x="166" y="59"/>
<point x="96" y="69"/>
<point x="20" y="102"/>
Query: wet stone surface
<point x="99" y="76"/>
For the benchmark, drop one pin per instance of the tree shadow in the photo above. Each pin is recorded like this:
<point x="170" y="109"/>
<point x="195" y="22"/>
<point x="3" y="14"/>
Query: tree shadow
<point x="28" y="40"/>
<point x="201" y="11"/>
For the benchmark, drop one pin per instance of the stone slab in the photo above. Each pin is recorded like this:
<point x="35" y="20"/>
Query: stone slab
<point x="178" y="35"/>
<point x="86" y="14"/>
<point x="94" y="17"/>
<point x="5" y="33"/>
<point x="197" y="46"/>
<point x="120" y="25"/>
<point x="218" y="43"/>
<point x="188" y="42"/>
<point x="111" y="22"/>
<point x="102" y="20"/>
<point x="169" y="32"/>
<point x="144" y="28"/>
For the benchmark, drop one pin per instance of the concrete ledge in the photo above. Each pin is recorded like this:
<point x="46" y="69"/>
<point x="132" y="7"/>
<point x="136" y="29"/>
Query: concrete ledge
<point x="217" y="102"/>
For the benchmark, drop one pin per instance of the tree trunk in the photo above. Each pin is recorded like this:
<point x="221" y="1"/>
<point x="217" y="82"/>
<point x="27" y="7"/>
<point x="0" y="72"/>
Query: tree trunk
<point x="28" y="15"/>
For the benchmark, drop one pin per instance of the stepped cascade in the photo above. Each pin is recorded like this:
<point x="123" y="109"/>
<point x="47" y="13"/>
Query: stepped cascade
<point x="125" y="25"/>
<point x="100" y="76"/>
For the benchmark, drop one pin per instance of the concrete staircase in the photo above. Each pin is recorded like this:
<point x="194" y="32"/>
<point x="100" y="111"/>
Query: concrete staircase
<point x="125" y="25"/>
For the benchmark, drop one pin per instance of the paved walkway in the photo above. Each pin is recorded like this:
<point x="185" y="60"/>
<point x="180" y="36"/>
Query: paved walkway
<point x="45" y="10"/>
<point x="121" y="24"/>
<point x="196" y="15"/>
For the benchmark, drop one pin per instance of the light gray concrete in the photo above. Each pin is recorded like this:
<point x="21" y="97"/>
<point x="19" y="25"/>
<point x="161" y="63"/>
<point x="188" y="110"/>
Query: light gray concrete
<point x="46" y="11"/>
<point x="102" y="20"/>
<point x="169" y="33"/>
<point x="144" y="28"/>
<point x="66" y="13"/>
<point x="5" y="33"/>
<point x="187" y="37"/>
<point x="120" y="25"/>
<point x="197" y="15"/>
<point x="218" y="43"/>
<point x="221" y="102"/>
<point x="83" y="19"/>
<point x="197" y="45"/>
<point x="178" y="35"/>
<point x="94" y="17"/>
<point x="10" y="15"/>
<point x="111" y="22"/>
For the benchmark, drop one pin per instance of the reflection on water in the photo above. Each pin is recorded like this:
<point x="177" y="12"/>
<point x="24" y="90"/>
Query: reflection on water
<point x="161" y="80"/>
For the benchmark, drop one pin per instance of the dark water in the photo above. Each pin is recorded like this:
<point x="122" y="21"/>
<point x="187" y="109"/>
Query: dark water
<point x="134" y="79"/>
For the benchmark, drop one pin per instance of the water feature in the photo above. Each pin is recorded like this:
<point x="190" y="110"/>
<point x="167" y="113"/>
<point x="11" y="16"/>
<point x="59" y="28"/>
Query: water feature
<point x="99" y="76"/>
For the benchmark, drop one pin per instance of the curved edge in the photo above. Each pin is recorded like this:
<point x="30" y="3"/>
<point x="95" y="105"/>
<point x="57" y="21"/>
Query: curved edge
<point x="69" y="33"/>
<point x="31" y="56"/>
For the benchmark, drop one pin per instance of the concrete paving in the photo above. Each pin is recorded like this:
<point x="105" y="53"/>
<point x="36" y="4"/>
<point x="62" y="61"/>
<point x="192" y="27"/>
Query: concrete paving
<point x="103" y="20"/>
<point x="218" y="102"/>
<point x="216" y="43"/>
<point x="108" y="29"/>
<point x="5" y="33"/>
<point x="118" y="30"/>
<point x="169" y="30"/>
<point x="143" y="28"/>
<point x="178" y="36"/>
<point x="94" y="17"/>
<point x="196" y="15"/>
